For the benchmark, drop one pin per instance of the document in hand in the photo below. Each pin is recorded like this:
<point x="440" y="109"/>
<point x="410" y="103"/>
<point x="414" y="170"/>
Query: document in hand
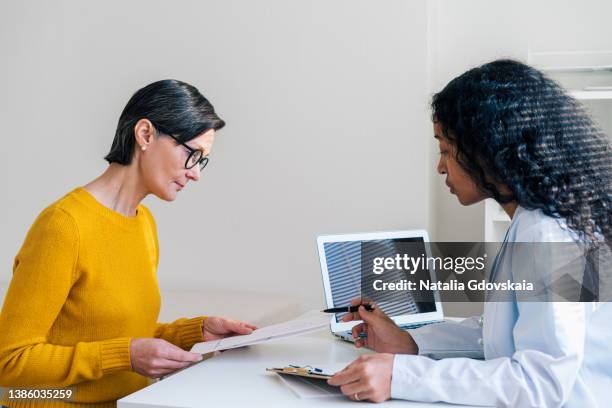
<point x="264" y="334"/>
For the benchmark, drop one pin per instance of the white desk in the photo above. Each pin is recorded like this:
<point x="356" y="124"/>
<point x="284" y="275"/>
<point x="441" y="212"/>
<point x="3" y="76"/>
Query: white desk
<point x="238" y="378"/>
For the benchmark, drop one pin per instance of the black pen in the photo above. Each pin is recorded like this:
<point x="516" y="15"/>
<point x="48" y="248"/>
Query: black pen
<point x="348" y="309"/>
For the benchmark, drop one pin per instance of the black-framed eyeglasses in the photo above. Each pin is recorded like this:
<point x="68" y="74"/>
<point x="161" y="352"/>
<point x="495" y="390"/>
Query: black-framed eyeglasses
<point x="196" y="156"/>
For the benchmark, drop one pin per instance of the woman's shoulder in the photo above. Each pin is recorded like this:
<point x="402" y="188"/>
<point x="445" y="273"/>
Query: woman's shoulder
<point x="55" y="221"/>
<point x="77" y="213"/>
<point x="532" y="225"/>
<point x="63" y="207"/>
<point x="75" y="205"/>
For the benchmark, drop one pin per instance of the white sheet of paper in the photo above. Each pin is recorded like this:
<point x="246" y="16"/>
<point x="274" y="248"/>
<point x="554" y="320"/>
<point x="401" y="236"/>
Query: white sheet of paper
<point x="264" y="334"/>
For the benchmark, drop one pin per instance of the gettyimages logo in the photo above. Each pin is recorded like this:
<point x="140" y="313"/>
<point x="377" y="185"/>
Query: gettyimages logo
<point x="412" y="264"/>
<point x="393" y="271"/>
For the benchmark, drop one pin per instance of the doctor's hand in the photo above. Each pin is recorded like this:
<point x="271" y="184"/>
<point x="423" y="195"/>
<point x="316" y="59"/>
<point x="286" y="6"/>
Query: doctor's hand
<point x="154" y="358"/>
<point x="382" y="334"/>
<point x="367" y="378"/>
<point x="219" y="327"/>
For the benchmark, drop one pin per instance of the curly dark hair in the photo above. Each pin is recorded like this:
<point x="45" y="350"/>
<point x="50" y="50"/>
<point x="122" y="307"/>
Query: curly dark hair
<point x="512" y="125"/>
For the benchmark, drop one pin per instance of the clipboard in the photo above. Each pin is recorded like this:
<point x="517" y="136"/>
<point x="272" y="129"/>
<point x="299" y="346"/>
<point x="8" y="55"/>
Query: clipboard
<point x="308" y="372"/>
<point x="307" y="381"/>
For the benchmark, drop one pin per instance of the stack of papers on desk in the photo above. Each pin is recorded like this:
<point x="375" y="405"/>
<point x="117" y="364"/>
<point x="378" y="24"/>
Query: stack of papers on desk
<point x="264" y="334"/>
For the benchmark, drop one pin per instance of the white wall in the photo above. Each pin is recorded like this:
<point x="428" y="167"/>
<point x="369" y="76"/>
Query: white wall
<point x="327" y="124"/>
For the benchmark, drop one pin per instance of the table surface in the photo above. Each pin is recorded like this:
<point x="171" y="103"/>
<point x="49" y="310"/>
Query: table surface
<point x="238" y="378"/>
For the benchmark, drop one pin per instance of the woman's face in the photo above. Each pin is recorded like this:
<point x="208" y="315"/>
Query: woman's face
<point x="459" y="182"/>
<point x="162" y="163"/>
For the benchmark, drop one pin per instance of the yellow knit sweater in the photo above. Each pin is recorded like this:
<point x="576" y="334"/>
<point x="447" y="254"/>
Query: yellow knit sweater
<point x="84" y="283"/>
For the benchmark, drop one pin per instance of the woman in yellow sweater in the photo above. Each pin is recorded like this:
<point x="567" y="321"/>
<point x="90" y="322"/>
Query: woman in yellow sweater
<point x="82" y="306"/>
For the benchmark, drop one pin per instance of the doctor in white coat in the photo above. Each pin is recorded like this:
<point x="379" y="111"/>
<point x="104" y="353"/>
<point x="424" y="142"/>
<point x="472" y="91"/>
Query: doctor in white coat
<point x="506" y="131"/>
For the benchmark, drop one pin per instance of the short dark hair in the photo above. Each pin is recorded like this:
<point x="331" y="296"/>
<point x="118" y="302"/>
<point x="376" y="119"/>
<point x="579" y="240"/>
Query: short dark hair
<point x="173" y="107"/>
<point x="513" y="125"/>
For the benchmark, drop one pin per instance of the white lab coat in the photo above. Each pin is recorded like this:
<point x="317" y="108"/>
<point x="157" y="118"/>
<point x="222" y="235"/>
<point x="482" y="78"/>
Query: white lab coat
<point x="517" y="354"/>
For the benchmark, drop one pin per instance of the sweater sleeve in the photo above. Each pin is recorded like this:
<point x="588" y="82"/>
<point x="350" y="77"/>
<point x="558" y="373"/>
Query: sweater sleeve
<point x="183" y="332"/>
<point x="44" y="272"/>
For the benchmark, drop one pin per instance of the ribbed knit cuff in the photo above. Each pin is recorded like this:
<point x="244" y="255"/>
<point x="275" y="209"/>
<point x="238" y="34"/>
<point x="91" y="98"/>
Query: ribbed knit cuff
<point x="191" y="332"/>
<point x="115" y="355"/>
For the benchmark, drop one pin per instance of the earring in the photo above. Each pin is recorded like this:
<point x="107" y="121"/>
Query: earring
<point x="144" y="148"/>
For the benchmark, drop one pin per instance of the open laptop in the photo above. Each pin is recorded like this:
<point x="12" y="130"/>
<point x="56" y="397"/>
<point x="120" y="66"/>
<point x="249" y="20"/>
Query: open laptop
<point x="341" y="258"/>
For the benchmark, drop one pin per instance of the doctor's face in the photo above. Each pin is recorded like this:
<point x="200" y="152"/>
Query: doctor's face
<point x="457" y="179"/>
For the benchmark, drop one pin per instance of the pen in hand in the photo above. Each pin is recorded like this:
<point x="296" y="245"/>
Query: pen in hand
<point x="348" y="309"/>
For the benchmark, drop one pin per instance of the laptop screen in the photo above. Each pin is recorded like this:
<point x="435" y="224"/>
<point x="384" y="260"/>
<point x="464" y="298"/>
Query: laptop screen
<point x="344" y="265"/>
